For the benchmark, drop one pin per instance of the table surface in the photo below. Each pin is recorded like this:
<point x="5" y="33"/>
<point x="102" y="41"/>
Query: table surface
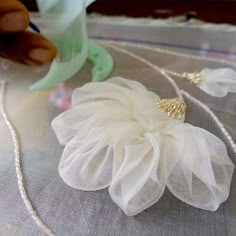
<point x="68" y="211"/>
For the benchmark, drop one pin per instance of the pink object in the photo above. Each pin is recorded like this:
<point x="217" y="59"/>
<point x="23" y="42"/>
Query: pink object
<point x="61" y="97"/>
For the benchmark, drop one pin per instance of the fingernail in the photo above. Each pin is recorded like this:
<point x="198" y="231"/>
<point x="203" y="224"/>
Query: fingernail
<point x="40" y="55"/>
<point x="14" y="21"/>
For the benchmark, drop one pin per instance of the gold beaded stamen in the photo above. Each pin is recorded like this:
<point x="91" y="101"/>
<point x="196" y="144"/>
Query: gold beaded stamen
<point x="193" y="78"/>
<point x="174" y="107"/>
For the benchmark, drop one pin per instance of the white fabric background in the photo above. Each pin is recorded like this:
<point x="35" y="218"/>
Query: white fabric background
<point x="59" y="205"/>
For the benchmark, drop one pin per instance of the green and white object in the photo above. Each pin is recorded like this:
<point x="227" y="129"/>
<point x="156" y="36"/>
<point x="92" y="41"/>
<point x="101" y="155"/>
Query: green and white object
<point x="65" y="21"/>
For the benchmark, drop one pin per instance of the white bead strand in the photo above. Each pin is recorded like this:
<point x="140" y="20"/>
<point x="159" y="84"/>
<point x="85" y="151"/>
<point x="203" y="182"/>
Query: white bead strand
<point x="156" y="68"/>
<point x="214" y="117"/>
<point x="173" y="53"/>
<point x="20" y="180"/>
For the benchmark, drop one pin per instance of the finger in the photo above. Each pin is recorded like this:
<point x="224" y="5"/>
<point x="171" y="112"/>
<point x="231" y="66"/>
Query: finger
<point x="26" y="47"/>
<point x="14" y="16"/>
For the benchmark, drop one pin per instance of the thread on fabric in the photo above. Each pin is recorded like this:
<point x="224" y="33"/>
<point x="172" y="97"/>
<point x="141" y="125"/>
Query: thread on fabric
<point x="171" y="52"/>
<point x="155" y="67"/>
<point x="176" y="74"/>
<point x="19" y="175"/>
<point x="214" y="117"/>
<point x="85" y="220"/>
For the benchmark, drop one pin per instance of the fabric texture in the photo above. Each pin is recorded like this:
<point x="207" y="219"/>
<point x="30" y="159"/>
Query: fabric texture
<point x="69" y="211"/>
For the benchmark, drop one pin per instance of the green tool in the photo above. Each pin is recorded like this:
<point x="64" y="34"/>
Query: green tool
<point x="65" y="21"/>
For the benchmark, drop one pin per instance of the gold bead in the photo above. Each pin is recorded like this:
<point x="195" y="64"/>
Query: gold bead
<point x="193" y="78"/>
<point x="174" y="107"/>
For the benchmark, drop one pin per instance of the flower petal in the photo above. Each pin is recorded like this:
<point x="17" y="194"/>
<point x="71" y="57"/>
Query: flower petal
<point x="81" y="119"/>
<point x="88" y="159"/>
<point x="111" y="89"/>
<point x="131" y="95"/>
<point x="197" y="165"/>
<point x="140" y="180"/>
<point x="218" y="82"/>
<point x="87" y="165"/>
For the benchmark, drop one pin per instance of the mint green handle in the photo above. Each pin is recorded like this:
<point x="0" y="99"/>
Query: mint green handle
<point x="102" y="61"/>
<point x="66" y="23"/>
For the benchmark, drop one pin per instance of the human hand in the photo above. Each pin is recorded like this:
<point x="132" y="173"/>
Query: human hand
<point x="15" y="42"/>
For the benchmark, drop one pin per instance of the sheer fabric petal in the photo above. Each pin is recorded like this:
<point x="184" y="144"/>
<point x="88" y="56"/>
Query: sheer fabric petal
<point x="218" y="82"/>
<point x="197" y="165"/>
<point x="140" y="180"/>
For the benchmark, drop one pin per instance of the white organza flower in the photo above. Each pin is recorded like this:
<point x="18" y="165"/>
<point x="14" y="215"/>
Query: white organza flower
<point x="218" y="82"/>
<point x="116" y="137"/>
